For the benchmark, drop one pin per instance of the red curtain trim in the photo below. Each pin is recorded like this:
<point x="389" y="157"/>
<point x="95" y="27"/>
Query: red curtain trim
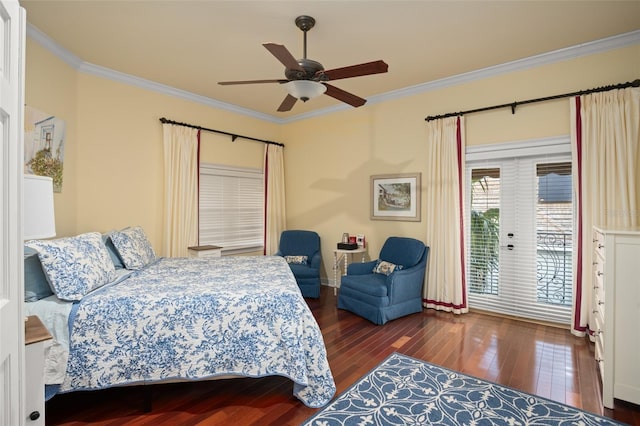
<point x="461" y="213"/>
<point x="266" y="179"/>
<point x="578" y="295"/>
<point x="198" y="184"/>
<point x="444" y="304"/>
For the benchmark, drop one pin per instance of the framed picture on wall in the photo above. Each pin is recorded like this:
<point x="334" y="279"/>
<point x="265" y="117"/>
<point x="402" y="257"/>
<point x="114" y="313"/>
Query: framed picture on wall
<point x="396" y="197"/>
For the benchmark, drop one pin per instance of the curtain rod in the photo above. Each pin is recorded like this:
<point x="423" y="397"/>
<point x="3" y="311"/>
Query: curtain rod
<point x="513" y="105"/>
<point x="233" y="135"/>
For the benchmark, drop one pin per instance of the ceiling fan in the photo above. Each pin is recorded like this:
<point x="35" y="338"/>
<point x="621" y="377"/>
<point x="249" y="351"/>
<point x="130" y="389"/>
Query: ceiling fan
<point x="306" y="78"/>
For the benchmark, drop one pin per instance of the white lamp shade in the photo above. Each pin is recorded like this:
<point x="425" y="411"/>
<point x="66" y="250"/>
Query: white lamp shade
<point x="39" y="219"/>
<point x="305" y="89"/>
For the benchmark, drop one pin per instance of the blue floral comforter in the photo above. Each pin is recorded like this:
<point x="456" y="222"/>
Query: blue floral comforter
<point x="196" y="318"/>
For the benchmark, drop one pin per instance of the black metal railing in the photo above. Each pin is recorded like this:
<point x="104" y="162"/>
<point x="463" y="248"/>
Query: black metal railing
<point x="554" y="269"/>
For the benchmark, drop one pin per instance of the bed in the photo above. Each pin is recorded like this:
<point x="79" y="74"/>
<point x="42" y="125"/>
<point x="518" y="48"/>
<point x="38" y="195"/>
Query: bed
<point x="176" y="319"/>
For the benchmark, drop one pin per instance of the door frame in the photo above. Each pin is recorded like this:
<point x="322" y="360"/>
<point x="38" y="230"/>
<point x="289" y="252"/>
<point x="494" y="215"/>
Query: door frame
<point x="12" y="351"/>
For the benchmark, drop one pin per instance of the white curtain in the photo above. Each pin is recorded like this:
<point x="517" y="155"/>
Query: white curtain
<point x="181" y="168"/>
<point x="445" y="287"/>
<point x="274" y="199"/>
<point x="605" y="129"/>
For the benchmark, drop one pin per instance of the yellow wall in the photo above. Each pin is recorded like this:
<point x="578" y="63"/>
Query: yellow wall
<point x="113" y="174"/>
<point x="51" y="87"/>
<point x="113" y="157"/>
<point x="329" y="159"/>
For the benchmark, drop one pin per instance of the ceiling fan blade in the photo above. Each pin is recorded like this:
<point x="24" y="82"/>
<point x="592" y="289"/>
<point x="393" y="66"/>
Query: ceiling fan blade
<point x="227" y="83"/>
<point x="287" y="104"/>
<point x="375" y="67"/>
<point x="346" y="97"/>
<point x="283" y="55"/>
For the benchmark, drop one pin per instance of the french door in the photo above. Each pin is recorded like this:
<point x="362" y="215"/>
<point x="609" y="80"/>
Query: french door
<point x="520" y="233"/>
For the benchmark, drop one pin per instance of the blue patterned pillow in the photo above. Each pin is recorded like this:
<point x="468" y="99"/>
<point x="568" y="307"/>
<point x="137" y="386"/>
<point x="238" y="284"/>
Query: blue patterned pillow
<point x="74" y="266"/>
<point x="386" y="268"/>
<point x="133" y="247"/>
<point x="113" y="252"/>
<point x="296" y="260"/>
<point x="36" y="286"/>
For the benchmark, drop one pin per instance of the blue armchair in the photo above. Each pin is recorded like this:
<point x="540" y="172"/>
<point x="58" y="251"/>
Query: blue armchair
<point x="395" y="290"/>
<point x="303" y="243"/>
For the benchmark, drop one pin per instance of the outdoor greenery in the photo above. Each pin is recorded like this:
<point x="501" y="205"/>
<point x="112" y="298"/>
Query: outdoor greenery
<point x="484" y="244"/>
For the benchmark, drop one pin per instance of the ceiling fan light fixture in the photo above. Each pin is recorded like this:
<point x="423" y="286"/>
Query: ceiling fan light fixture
<point x="305" y="89"/>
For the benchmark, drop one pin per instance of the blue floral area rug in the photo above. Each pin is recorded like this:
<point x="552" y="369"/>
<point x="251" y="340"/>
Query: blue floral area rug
<point x="407" y="391"/>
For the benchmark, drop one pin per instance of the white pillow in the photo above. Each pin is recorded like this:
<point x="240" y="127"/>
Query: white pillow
<point x="133" y="247"/>
<point x="296" y="260"/>
<point x="386" y="268"/>
<point x="74" y="266"/>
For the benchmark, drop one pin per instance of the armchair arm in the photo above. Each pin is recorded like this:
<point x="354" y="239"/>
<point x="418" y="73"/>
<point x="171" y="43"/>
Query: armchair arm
<point x="406" y="284"/>
<point x="314" y="262"/>
<point x="361" y="268"/>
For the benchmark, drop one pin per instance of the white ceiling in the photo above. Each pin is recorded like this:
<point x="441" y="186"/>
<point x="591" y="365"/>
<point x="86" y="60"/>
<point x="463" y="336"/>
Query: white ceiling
<point x="191" y="45"/>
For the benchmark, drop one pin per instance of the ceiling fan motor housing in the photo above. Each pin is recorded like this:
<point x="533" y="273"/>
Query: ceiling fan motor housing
<point x="312" y="71"/>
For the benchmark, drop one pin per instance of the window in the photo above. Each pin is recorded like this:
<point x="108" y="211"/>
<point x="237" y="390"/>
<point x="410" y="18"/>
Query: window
<point x="231" y="208"/>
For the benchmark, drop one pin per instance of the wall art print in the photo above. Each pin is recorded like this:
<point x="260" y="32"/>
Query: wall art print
<point x="44" y="137"/>
<point x="396" y="197"/>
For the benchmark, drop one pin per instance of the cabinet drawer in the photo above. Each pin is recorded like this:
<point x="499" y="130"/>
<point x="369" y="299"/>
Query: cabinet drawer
<point x="208" y="253"/>
<point x="599" y="287"/>
<point x="598" y="244"/>
<point x="600" y="357"/>
<point x="599" y="328"/>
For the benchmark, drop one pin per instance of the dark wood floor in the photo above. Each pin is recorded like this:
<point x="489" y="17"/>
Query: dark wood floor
<point x="541" y="360"/>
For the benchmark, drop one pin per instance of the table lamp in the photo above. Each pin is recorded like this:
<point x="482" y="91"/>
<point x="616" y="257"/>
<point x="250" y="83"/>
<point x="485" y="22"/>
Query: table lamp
<point x="38" y="213"/>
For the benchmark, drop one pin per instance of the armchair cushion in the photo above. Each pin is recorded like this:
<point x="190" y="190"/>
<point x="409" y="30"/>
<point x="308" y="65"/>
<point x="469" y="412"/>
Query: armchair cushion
<point x="303" y="271"/>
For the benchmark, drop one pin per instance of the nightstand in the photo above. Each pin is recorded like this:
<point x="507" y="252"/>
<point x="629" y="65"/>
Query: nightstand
<point x="205" y="251"/>
<point x="338" y="256"/>
<point x="35" y="337"/>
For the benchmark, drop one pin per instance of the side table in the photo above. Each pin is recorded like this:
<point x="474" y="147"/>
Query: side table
<point x="340" y="256"/>
<point x="205" y="251"/>
<point x="35" y="336"/>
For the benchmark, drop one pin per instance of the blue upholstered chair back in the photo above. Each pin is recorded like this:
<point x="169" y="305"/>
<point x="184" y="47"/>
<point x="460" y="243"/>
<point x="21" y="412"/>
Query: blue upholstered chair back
<point x="407" y="252"/>
<point x="303" y="243"/>
<point x="299" y="243"/>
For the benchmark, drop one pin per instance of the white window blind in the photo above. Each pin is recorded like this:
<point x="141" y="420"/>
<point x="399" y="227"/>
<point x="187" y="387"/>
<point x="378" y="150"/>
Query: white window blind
<point x="231" y="208"/>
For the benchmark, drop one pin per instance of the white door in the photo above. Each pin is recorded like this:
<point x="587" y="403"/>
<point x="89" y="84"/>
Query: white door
<point x="12" y="30"/>
<point x="519" y="235"/>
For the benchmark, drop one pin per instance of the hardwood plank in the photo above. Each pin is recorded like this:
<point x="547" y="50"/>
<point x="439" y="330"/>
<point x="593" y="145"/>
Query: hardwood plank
<point x="534" y="358"/>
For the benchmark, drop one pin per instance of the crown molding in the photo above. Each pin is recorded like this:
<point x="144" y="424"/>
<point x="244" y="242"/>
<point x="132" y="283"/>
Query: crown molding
<point x="585" y="49"/>
<point x="97" y="70"/>
<point x="590" y="48"/>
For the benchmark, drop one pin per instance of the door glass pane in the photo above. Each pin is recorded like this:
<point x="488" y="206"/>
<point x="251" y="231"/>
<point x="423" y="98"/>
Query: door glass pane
<point x="554" y="226"/>
<point x="484" y="231"/>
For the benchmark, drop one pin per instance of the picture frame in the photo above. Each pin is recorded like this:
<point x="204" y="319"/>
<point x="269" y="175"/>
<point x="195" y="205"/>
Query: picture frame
<point x="396" y="197"/>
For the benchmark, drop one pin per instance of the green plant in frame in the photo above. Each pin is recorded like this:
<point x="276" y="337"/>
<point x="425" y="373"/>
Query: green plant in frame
<point x="484" y="239"/>
<point x="44" y="164"/>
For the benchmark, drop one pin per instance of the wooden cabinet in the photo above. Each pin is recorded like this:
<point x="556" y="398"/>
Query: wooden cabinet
<point x="205" y="251"/>
<point x="616" y="309"/>
<point x="35" y="337"/>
